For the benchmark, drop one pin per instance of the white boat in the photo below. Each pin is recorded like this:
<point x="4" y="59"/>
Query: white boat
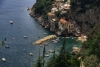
<point x="51" y="51"/>
<point x="45" y="33"/>
<point x="55" y="41"/>
<point x="13" y="38"/>
<point x="67" y="37"/>
<point x="25" y="36"/>
<point x="24" y="50"/>
<point x="46" y="55"/>
<point x="3" y="59"/>
<point x="11" y="22"/>
<point x="46" y="44"/>
<point x="31" y="54"/>
<point x="40" y="45"/>
<point x="7" y="46"/>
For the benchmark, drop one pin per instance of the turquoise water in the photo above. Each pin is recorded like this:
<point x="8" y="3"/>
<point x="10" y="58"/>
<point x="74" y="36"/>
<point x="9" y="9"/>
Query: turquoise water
<point x="16" y="11"/>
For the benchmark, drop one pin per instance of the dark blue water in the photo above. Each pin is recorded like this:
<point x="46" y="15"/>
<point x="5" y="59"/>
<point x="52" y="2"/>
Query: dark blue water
<point x="16" y="11"/>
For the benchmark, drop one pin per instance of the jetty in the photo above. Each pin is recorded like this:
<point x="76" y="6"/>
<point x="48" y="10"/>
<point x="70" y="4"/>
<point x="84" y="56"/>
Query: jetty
<point x="40" y="41"/>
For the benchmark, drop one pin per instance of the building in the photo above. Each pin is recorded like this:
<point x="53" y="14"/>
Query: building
<point x="69" y="25"/>
<point x="63" y="24"/>
<point x="54" y="9"/>
<point x="59" y="3"/>
<point x="67" y="5"/>
<point x="52" y="21"/>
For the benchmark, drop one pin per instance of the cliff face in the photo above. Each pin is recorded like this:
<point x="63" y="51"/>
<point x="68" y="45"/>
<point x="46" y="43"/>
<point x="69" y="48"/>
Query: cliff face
<point x="85" y="15"/>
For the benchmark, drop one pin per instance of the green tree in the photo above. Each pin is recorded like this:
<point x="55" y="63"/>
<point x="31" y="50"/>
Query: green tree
<point x="39" y="61"/>
<point x="91" y="61"/>
<point x="43" y="55"/>
<point x="62" y="60"/>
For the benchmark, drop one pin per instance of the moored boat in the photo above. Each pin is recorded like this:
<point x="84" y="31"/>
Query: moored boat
<point x="51" y="51"/>
<point x="25" y="36"/>
<point x="3" y="59"/>
<point x="31" y="54"/>
<point x="11" y="22"/>
<point x="46" y="55"/>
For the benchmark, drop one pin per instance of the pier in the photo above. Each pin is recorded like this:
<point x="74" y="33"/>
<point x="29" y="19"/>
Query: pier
<point x="40" y="41"/>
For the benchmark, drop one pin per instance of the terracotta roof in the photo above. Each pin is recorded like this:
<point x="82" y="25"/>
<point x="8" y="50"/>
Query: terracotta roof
<point x="63" y="20"/>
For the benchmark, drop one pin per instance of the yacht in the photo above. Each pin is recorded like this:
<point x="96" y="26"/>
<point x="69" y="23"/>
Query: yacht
<point x="3" y="59"/>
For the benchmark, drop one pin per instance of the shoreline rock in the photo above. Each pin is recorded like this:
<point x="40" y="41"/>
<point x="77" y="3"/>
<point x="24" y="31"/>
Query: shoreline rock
<point x="75" y="50"/>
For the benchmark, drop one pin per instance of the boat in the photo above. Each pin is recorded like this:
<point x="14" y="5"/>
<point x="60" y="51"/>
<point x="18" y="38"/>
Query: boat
<point x="3" y="59"/>
<point x="46" y="44"/>
<point x="46" y="55"/>
<point x="11" y="22"/>
<point x="7" y="46"/>
<point x="57" y="39"/>
<point x="25" y="36"/>
<point x="24" y="50"/>
<point x="31" y="54"/>
<point x="40" y="45"/>
<point x="13" y="38"/>
<point x="67" y="37"/>
<point x="51" y="51"/>
<point x="18" y="26"/>
<point x="54" y="41"/>
<point x="45" y="33"/>
<point x="28" y="8"/>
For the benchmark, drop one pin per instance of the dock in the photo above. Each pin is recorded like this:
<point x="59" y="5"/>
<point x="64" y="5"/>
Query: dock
<point x="40" y="41"/>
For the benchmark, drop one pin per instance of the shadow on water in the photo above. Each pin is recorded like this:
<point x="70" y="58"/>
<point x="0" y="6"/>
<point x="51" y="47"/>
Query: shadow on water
<point x="2" y="43"/>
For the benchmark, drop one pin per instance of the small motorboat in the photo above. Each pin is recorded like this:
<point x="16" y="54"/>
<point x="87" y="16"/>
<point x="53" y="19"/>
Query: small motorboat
<point x="67" y="37"/>
<point x="24" y="50"/>
<point x="45" y="33"/>
<point x="7" y="46"/>
<point x="46" y="55"/>
<point x="51" y="51"/>
<point x="13" y="38"/>
<point x="18" y="26"/>
<point x="46" y="44"/>
<point x="40" y="45"/>
<point x="54" y="41"/>
<point x="31" y="54"/>
<point x="28" y="8"/>
<point x="25" y="36"/>
<point x="3" y="59"/>
<point x="11" y="22"/>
